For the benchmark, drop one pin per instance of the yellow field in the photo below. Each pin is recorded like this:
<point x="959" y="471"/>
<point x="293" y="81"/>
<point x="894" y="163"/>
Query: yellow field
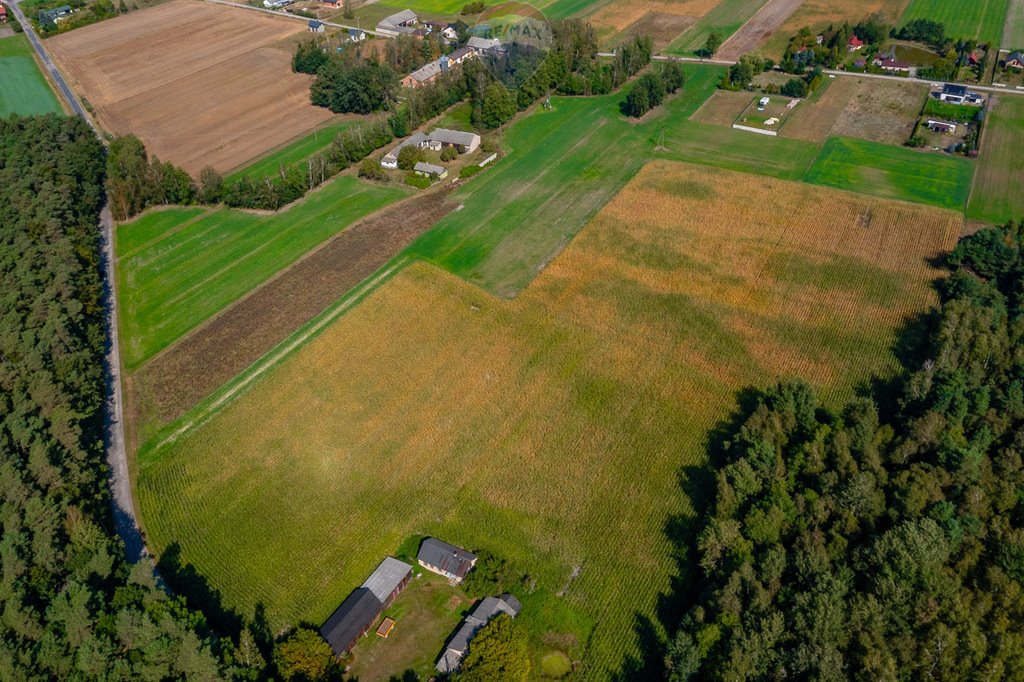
<point x="553" y="429"/>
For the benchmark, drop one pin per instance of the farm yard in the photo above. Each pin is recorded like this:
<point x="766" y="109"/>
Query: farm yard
<point x="200" y="84"/>
<point x="521" y="426"/>
<point x="997" y="195"/>
<point x="23" y="89"/>
<point x="894" y="172"/>
<point x="982" y="20"/>
<point x="178" y="267"/>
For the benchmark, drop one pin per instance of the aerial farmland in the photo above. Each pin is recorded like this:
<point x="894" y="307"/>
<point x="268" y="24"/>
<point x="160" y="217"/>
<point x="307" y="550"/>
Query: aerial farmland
<point x="687" y="333"/>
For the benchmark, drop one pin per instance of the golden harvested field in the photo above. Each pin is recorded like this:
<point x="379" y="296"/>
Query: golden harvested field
<point x="553" y="429"/>
<point x="723" y="107"/>
<point x="200" y="84"/>
<point x="818" y="14"/>
<point x="620" y="14"/>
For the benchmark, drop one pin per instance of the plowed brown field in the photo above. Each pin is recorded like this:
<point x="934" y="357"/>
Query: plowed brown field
<point x="200" y="84"/>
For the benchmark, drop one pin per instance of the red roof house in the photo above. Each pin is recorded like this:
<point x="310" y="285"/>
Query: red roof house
<point x="854" y="44"/>
<point x="3" y="13"/>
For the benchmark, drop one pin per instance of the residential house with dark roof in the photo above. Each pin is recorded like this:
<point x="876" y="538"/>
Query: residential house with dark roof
<point x="1015" y="60"/>
<point x="399" y="23"/>
<point x="315" y="26"/>
<point x="442" y="558"/>
<point x="488" y="608"/>
<point x="959" y="94"/>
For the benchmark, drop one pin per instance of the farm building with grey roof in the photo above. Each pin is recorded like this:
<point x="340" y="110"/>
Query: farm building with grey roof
<point x="488" y="608"/>
<point x="357" y="613"/>
<point x="445" y="559"/>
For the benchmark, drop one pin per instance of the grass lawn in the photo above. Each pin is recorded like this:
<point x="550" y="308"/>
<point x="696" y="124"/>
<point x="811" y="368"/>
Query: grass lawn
<point x="979" y="19"/>
<point x="726" y="18"/>
<point x="894" y="172"/>
<point x="553" y="429"/>
<point x="997" y="195"/>
<point x="23" y="90"/>
<point x="299" y="150"/>
<point x="177" y="268"/>
<point x="552" y="9"/>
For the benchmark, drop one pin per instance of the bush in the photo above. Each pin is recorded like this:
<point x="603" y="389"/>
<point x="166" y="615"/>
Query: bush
<point x="417" y="180"/>
<point x="409" y="156"/>
<point x="473" y="7"/>
<point x="303" y="655"/>
<point x="449" y="154"/>
<point x="469" y="171"/>
<point x="372" y="170"/>
<point x="794" y="87"/>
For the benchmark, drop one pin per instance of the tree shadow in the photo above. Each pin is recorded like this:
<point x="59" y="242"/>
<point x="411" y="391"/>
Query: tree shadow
<point x="698" y="484"/>
<point x="185" y="580"/>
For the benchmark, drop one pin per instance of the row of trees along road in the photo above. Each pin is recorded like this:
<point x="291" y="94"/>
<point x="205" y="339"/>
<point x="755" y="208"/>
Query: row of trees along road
<point x="886" y="540"/>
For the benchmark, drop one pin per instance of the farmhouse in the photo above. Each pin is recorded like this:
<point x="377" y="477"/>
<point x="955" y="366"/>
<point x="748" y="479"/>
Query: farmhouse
<point x="429" y="170"/>
<point x="276" y="4"/>
<point x="483" y="45"/>
<point x="854" y="44"/>
<point x="448" y="560"/>
<point x="428" y="72"/>
<point x="51" y="17"/>
<point x="893" y="65"/>
<point x="942" y="126"/>
<point x="398" y="23"/>
<point x="1015" y="60"/>
<point x="356" y="35"/>
<point x="315" y="26"/>
<point x="959" y="94"/>
<point x="488" y="608"/>
<point x="356" y="615"/>
<point x="465" y="143"/>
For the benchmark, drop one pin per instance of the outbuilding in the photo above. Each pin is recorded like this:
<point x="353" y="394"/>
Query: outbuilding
<point x="488" y="608"/>
<point x="357" y="613"/>
<point x="430" y="170"/>
<point x="445" y="559"/>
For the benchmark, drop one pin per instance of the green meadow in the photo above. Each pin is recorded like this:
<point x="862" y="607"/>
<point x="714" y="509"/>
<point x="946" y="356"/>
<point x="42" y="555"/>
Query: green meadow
<point x="179" y="267"/>
<point x="893" y="172"/>
<point x="982" y="20"/>
<point x="298" y="150"/>
<point x="726" y="18"/>
<point x="23" y="89"/>
<point x="997" y="195"/>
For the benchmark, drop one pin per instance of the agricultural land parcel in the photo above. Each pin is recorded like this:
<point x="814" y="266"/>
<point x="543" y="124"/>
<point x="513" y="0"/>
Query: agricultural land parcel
<point x="997" y="195"/>
<point x="662" y="20"/>
<point x="983" y="20"/>
<point x="23" y="89"/>
<point x="725" y="17"/>
<point x="292" y="152"/>
<point x="819" y="14"/>
<point x="200" y="84"/>
<point x="527" y="426"/>
<point x="178" y="267"/>
<point x="552" y="9"/>
<point x="1013" y="30"/>
<point x="763" y="24"/>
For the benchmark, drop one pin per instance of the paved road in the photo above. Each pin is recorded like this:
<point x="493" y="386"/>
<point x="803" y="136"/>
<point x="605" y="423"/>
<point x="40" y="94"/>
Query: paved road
<point x="289" y="15"/>
<point x="121" y="502"/>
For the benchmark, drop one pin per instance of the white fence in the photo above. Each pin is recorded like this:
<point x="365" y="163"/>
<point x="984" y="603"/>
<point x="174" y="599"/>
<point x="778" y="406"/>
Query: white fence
<point x="759" y="131"/>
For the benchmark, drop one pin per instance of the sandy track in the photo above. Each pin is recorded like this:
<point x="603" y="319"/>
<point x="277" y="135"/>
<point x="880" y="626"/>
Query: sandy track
<point x="760" y="26"/>
<point x="199" y="83"/>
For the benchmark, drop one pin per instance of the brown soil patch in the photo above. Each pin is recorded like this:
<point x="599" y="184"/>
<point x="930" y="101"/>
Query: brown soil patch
<point x="177" y="379"/>
<point x="723" y="107"/>
<point x="758" y="29"/>
<point x="200" y="84"/>
<point x="661" y="28"/>
<point x="621" y="14"/>
<point x="813" y="121"/>
<point x="883" y="111"/>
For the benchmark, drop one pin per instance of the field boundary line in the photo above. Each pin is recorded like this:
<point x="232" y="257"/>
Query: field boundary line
<point x="224" y="396"/>
<point x="207" y="210"/>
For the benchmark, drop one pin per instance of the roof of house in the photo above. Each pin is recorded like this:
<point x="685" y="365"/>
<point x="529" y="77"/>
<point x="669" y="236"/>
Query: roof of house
<point x="950" y="89"/>
<point x="427" y="71"/>
<point x="466" y="140"/>
<point x="356" y="32"/>
<point x="855" y="41"/>
<point x="894" y="64"/>
<point x="406" y="15"/>
<point x="424" y="167"/>
<point x="460" y="53"/>
<point x="447" y="557"/>
<point x="313" y="23"/>
<point x="388" y="576"/>
<point x="1016" y="57"/>
<point x="350" y="619"/>
<point x="478" y="43"/>
<point x="484" y="611"/>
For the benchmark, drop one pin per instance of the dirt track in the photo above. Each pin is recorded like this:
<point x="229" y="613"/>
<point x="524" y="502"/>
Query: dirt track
<point x="760" y="26"/>
<point x="200" y="84"/>
<point x="177" y="379"/>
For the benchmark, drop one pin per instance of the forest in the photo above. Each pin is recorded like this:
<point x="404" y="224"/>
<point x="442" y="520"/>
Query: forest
<point x="885" y="540"/>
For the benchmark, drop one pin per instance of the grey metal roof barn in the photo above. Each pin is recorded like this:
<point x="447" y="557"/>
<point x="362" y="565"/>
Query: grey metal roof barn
<point x="488" y="608"/>
<point x="350" y="620"/>
<point x="388" y="577"/>
<point x="463" y="139"/>
<point x="446" y="559"/>
<point x="430" y="169"/>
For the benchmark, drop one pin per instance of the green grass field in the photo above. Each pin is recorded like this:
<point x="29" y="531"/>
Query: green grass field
<point x="979" y="19"/>
<point x="179" y="267"/>
<point x="726" y="18"/>
<point x="23" y="90"/>
<point x="997" y="195"/>
<point x="293" y="152"/>
<point x="554" y="428"/>
<point x="893" y="172"/>
<point x="1013" y="31"/>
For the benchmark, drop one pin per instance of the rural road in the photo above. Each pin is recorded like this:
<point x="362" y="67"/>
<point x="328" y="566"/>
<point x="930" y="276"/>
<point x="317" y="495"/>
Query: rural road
<point x="121" y="502"/>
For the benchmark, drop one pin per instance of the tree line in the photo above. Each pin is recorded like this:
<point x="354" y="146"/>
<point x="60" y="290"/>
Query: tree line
<point x="651" y="88"/>
<point x="884" y="540"/>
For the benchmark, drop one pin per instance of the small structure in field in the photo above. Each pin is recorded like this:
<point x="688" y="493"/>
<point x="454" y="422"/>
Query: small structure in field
<point x="429" y="170"/>
<point x="488" y="608"/>
<point x="315" y="26"/>
<point x="385" y="627"/>
<point x="959" y="94"/>
<point x="762" y="103"/>
<point x="445" y="559"/>
<point x="942" y="127"/>
<point x="854" y="44"/>
<point x="356" y="615"/>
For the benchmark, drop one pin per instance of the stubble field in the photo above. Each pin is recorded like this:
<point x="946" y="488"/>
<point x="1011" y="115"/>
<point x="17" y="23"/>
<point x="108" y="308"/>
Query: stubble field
<point x="200" y="84"/>
<point x="553" y="429"/>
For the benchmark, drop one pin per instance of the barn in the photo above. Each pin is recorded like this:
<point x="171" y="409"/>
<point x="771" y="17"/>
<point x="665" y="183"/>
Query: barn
<point x="360" y="610"/>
